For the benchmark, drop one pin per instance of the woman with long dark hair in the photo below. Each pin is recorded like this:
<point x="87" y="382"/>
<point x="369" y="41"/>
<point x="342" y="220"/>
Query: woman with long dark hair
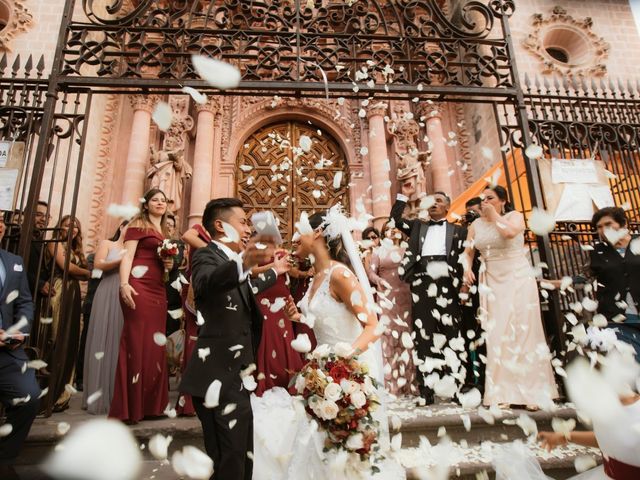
<point x="56" y="253"/>
<point x="105" y="326"/>
<point x="142" y="382"/>
<point x="339" y="308"/>
<point x="518" y="359"/>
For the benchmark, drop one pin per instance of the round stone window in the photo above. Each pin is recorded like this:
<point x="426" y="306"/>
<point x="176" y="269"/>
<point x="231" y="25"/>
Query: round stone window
<point x="567" y="47"/>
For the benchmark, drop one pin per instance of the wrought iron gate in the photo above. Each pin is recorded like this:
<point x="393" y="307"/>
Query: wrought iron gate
<point x="404" y="49"/>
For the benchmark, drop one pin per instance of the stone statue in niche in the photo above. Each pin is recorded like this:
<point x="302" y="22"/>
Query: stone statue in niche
<point x="169" y="172"/>
<point x="410" y="161"/>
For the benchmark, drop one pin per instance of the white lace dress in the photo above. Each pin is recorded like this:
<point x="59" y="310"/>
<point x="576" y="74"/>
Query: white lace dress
<point x="287" y="443"/>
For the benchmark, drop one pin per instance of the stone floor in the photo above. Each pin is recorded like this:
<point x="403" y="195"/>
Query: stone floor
<point x="470" y="451"/>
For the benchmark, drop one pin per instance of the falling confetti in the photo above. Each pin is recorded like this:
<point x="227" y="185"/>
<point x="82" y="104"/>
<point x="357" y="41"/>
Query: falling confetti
<point x="216" y="73"/>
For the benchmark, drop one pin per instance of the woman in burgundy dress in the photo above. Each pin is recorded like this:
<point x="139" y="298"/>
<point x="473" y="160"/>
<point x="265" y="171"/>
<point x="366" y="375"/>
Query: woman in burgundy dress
<point x="276" y="360"/>
<point x="142" y="382"/>
<point x="196" y="237"/>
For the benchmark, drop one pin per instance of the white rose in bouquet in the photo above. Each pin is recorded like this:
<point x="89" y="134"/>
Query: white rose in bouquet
<point x="321" y="351"/>
<point x="358" y="399"/>
<point x="349" y="386"/>
<point x="328" y="410"/>
<point x="343" y="349"/>
<point x="332" y="392"/>
<point x="355" y="442"/>
<point x="300" y="384"/>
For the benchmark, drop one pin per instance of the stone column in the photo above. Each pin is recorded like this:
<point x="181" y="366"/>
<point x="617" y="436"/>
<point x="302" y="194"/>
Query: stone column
<point x="202" y="160"/>
<point x="432" y="113"/>
<point x="378" y="163"/>
<point x="138" y="154"/>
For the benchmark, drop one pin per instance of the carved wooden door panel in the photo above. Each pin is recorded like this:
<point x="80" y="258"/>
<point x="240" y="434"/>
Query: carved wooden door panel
<point x="275" y="174"/>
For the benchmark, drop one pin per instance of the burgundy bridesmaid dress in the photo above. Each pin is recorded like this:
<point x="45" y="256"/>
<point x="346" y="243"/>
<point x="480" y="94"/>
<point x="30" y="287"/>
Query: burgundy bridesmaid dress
<point x="142" y="380"/>
<point x="185" y="405"/>
<point x="276" y="360"/>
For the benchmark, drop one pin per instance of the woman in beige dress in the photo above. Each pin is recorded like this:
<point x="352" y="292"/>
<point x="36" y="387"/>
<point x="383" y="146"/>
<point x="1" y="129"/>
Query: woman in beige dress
<point x="518" y="358"/>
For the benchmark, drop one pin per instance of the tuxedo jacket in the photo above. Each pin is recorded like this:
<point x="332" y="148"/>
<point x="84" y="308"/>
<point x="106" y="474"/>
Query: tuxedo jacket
<point x="232" y="320"/>
<point x="616" y="275"/>
<point x="15" y="280"/>
<point x="416" y="230"/>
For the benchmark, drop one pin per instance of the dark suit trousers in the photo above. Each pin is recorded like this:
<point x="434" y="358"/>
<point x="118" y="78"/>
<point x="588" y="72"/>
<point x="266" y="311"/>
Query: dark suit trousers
<point x="477" y="345"/>
<point x="430" y="315"/>
<point x="15" y="384"/>
<point x="228" y="447"/>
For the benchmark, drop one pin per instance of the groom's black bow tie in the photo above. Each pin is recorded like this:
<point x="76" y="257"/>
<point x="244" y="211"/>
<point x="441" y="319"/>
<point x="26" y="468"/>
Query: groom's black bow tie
<point x="437" y="222"/>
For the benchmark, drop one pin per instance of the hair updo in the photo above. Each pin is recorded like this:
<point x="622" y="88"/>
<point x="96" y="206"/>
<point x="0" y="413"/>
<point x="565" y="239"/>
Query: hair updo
<point x="335" y="246"/>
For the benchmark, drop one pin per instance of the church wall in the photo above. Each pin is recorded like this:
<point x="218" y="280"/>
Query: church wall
<point x="612" y="21"/>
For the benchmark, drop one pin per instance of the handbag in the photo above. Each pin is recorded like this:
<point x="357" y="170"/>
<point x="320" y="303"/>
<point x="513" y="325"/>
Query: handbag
<point x="175" y="347"/>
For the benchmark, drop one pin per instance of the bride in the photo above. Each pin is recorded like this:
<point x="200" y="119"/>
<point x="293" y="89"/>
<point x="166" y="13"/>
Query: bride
<point x="339" y="307"/>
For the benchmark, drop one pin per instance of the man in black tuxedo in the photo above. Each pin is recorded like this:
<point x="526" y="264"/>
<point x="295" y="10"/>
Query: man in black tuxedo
<point x="19" y="392"/>
<point x="230" y="335"/>
<point x="470" y="304"/>
<point x="432" y="268"/>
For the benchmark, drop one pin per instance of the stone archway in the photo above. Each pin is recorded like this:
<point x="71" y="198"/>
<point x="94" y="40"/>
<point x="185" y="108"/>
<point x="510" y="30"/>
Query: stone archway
<point x="272" y="174"/>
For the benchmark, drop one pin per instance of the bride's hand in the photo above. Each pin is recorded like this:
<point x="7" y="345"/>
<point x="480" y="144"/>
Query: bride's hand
<point x="469" y="278"/>
<point x="291" y="310"/>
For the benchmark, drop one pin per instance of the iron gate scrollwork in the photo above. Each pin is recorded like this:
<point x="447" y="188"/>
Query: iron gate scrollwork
<point x="405" y="44"/>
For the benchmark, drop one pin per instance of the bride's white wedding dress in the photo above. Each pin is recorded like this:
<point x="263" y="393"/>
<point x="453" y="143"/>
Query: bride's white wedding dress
<point x="287" y="443"/>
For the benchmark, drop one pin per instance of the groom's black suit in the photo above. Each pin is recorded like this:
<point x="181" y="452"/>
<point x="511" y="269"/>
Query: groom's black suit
<point x="428" y="312"/>
<point x="231" y="330"/>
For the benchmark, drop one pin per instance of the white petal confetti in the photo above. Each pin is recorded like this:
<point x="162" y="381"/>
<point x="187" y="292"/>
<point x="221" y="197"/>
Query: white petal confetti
<point x="159" y="339"/>
<point x="301" y="343"/>
<point x="62" y="428"/>
<point x="122" y="211"/>
<point x="99" y="449"/>
<point x="199" y="98"/>
<point x="216" y="73"/>
<point x="212" y="396"/>
<point x="139" y="271"/>
<point x="534" y="152"/>
<point x="162" y="116"/>
<point x="203" y="353"/>
<point x="159" y="446"/>
<point x="13" y="294"/>
<point x="193" y="463"/>
<point x="541" y="222"/>
<point x="5" y="429"/>
<point x="94" y="396"/>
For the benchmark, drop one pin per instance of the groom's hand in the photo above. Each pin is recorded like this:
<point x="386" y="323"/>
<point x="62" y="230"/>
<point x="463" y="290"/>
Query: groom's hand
<point x="259" y="250"/>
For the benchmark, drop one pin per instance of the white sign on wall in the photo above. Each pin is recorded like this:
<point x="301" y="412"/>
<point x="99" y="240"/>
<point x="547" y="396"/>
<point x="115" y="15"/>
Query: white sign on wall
<point x="5" y="150"/>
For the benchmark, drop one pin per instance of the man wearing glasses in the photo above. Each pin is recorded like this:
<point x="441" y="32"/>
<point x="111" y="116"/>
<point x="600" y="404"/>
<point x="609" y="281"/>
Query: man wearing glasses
<point x="38" y="272"/>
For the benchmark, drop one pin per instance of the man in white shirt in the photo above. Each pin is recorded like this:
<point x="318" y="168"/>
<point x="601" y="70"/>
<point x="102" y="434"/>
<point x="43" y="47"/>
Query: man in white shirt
<point x="432" y="268"/>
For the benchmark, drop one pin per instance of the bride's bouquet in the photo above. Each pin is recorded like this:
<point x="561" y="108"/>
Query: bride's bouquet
<point x="341" y="396"/>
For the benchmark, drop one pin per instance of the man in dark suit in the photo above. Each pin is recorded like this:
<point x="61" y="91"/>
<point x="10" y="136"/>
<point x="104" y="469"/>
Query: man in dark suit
<point x="19" y="391"/>
<point x="470" y="304"/>
<point x="432" y="268"/>
<point x="228" y="339"/>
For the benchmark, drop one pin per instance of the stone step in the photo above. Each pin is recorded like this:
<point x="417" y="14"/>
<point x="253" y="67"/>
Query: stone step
<point x="415" y="422"/>
<point x="475" y="462"/>
<point x="447" y="418"/>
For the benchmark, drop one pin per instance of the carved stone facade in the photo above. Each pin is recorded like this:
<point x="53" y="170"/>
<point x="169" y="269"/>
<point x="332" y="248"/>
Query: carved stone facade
<point x="567" y="45"/>
<point x="18" y="20"/>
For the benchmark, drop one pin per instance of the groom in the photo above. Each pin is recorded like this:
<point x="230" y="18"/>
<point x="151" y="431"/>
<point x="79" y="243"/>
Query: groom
<point x="432" y="268"/>
<point x="228" y="339"/>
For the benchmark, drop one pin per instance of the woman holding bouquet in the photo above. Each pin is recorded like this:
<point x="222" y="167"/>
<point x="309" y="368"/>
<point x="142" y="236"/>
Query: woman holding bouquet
<point x="142" y="383"/>
<point x="287" y="440"/>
